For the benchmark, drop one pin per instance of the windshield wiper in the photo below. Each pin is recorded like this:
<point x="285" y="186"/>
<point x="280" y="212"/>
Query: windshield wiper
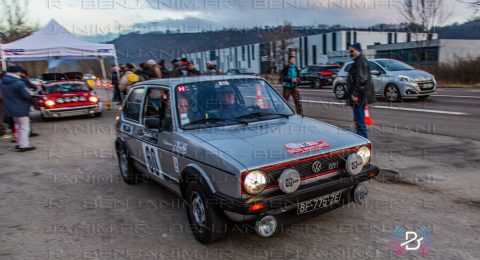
<point x="212" y="120"/>
<point x="261" y="114"/>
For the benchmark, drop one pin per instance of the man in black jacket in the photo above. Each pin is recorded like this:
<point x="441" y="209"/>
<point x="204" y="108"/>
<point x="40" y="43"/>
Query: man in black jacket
<point x="360" y="87"/>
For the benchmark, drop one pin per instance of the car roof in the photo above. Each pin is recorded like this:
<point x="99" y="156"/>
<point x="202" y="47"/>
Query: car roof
<point x="173" y="82"/>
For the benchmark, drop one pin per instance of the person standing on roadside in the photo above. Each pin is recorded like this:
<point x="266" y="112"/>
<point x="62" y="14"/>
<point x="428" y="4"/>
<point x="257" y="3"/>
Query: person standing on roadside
<point x="360" y="87"/>
<point x="16" y="102"/>
<point x="117" y="96"/>
<point x="175" y="70"/>
<point x="290" y="79"/>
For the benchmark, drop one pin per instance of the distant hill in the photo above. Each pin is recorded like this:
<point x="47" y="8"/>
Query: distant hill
<point x="136" y="47"/>
<point x="468" y="30"/>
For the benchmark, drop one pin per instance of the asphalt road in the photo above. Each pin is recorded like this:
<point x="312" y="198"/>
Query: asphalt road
<point x="66" y="200"/>
<point x="450" y="112"/>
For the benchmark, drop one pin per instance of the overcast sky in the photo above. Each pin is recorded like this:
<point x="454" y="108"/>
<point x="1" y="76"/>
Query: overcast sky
<point x="101" y="16"/>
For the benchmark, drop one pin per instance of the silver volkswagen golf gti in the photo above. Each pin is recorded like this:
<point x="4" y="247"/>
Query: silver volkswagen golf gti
<point x="392" y="80"/>
<point x="235" y="151"/>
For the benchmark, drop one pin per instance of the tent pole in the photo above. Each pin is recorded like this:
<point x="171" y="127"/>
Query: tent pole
<point x="4" y="65"/>
<point x="104" y="76"/>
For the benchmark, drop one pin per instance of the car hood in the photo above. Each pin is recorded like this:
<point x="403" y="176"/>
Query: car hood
<point x="418" y="75"/>
<point x="264" y="143"/>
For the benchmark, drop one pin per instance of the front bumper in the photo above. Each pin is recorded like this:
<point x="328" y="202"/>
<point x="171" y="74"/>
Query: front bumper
<point x="71" y="111"/>
<point x="239" y="210"/>
<point x="412" y="90"/>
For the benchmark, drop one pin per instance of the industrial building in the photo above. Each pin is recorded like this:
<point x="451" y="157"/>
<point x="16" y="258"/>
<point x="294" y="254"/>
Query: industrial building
<point x="324" y="48"/>
<point x="435" y="52"/>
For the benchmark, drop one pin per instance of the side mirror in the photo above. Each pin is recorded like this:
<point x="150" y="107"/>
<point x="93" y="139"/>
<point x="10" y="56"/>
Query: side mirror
<point x="152" y="123"/>
<point x="376" y="72"/>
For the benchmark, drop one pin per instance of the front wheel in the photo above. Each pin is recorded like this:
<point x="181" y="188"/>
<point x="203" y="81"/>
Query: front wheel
<point x="392" y="93"/>
<point x="208" y="224"/>
<point x="127" y="169"/>
<point x="340" y="92"/>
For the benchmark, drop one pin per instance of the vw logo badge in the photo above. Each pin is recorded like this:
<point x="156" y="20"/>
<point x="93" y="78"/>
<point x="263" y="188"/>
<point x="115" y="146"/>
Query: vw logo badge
<point x="360" y="194"/>
<point x="289" y="181"/>
<point x="316" y="167"/>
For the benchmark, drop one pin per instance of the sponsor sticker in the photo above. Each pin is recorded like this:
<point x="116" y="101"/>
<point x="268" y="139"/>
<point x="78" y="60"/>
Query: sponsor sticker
<point x="305" y="147"/>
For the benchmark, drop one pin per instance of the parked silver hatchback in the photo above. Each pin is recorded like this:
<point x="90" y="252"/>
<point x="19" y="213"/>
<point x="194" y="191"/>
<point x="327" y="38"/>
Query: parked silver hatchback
<point x="235" y="151"/>
<point x="392" y="80"/>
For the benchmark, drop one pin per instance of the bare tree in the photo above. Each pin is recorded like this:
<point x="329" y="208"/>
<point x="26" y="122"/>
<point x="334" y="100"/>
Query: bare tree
<point x="281" y="39"/>
<point x="14" y="22"/>
<point x="421" y="17"/>
<point x="475" y="4"/>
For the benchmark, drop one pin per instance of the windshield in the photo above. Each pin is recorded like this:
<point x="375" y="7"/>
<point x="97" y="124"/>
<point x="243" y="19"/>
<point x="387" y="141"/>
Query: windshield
<point x="228" y="102"/>
<point x="394" y="65"/>
<point x="66" y="87"/>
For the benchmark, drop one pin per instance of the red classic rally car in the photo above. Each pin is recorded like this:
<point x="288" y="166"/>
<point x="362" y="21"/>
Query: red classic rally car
<point x="66" y="98"/>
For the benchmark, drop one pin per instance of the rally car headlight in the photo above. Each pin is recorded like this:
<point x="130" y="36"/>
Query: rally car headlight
<point x="93" y="99"/>
<point x="364" y="152"/>
<point x="49" y="103"/>
<point x="255" y="182"/>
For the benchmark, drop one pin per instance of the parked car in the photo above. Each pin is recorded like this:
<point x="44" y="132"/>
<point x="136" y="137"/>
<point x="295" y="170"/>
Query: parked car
<point x="67" y="98"/>
<point x="318" y="76"/>
<point x="392" y="80"/>
<point x="237" y="153"/>
<point x="240" y="72"/>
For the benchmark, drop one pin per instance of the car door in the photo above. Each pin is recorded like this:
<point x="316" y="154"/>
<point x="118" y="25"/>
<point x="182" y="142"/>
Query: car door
<point x="131" y="126"/>
<point x="157" y="136"/>
<point x="378" y="80"/>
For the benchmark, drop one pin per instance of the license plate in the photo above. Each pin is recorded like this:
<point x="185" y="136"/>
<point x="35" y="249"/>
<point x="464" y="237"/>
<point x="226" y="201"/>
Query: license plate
<point x="318" y="203"/>
<point x="430" y="85"/>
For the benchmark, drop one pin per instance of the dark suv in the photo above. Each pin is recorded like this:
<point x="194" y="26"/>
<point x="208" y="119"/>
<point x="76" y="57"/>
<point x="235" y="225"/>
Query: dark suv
<point x="318" y="76"/>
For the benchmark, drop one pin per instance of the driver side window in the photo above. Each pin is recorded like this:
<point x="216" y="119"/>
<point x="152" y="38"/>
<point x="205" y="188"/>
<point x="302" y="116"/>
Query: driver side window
<point x="157" y="106"/>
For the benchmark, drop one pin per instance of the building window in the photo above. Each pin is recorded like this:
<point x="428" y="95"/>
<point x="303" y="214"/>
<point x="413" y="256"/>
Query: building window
<point x="324" y="44"/>
<point x="396" y="37"/>
<point x="349" y="39"/>
<point x="236" y="57"/>
<point x="305" y="43"/>
<point x="430" y="36"/>
<point x="409" y="37"/>
<point x="354" y="37"/>
<point x="243" y="53"/>
<point x="390" y="40"/>
<point x="253" y="52"/>
<point x="213" y="55"/>
<point x="314" y="54"/>
<point x="249" y="61"/>
<point x="334" y="41"/>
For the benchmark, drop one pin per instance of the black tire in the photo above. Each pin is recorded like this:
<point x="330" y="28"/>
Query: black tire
<point x="340" y="91"/>
<point x="99" y="114"/>
<point x="215" y="225"/>
<point x="45" y="119"/>
<point x="392" y="93"/>
<point x="127" y="169"/>
<point x="317" y="83"/>
<point x="423" y="97"/>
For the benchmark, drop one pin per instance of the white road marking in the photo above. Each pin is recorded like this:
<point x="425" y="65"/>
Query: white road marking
<point x="323" y="102"/>
<point x="422" y="110"/>
<point x="393" y="108"/>
<point x="456" y="96"/>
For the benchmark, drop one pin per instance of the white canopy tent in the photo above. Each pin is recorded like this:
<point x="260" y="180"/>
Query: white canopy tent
<point x="55" y="42"/>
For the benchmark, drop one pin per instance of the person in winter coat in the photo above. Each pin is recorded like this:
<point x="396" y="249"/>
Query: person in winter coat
<point x="290" y="77"/>
<point x="128" y="79"/>
<point x="16" y="103"/>
<point x="360" y="87"/>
